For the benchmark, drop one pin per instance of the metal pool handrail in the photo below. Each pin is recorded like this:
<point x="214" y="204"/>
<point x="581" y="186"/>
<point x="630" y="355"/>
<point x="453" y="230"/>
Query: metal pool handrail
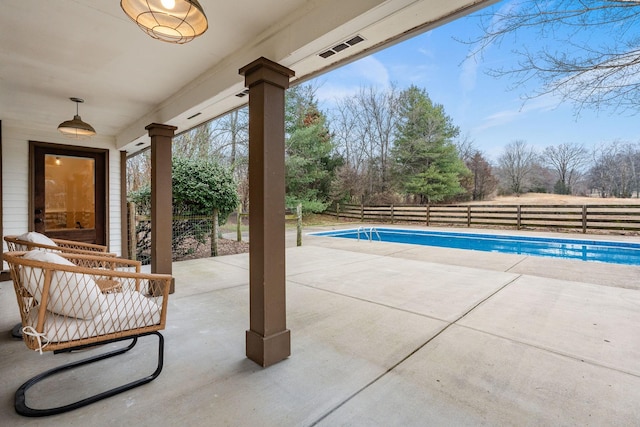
<point x="371" y="231"/>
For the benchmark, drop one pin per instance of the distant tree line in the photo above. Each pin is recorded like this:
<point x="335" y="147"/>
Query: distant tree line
<point x="610" y="170"/>
<point x="384" y="146"/>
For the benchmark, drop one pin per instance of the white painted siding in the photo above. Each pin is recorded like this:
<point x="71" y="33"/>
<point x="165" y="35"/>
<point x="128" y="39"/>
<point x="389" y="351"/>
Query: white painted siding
<point x="15" y="179"/>
<point x="113" y="221"/>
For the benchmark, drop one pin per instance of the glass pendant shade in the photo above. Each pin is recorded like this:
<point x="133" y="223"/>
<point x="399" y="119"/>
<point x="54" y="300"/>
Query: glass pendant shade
<point x="76" y="128"/>
<point x="172" y="21"/>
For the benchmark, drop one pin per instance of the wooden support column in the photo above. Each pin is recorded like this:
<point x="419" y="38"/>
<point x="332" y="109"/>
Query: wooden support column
<point x="161" y="204"/>
<point x="268" y="340"/>
<point x="124" y="225"/>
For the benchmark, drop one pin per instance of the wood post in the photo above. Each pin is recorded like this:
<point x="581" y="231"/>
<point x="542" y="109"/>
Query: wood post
<point x="125" y="246"/>
<point x="299" y="224"/>
<point x="214" y="233"/>
<point x="132" y="236"/>
<point x="584" y="218"/>
<point x="239" y="223"/>
<point x="268" y="340"/>
<point x="161" y="203"/>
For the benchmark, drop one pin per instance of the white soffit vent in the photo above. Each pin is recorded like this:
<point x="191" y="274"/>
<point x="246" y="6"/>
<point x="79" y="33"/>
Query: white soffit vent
<point x="341" y="46"/>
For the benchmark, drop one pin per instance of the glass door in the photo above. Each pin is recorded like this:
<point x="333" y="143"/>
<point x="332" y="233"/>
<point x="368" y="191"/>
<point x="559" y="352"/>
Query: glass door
<point x="69" y="193"/>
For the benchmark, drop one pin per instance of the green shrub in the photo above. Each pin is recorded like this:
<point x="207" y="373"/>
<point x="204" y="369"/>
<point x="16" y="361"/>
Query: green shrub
<point x="198" y="187"/>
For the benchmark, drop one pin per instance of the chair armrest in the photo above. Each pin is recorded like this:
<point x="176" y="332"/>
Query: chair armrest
<point x="63" y="246"/>
<point x="103" y="261"/>
<point x="72" y="244"/>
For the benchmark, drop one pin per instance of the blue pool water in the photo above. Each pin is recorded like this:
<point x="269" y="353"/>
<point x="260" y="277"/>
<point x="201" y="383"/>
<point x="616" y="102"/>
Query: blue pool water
<point x="585" y="250"/>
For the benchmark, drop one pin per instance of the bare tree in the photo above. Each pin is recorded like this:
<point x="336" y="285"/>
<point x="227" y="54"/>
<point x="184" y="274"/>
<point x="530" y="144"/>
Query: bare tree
<point x="138" y="170"/>
<point x="377" y="120"/>
<point x="516" y="164"/>
<point x="224" y="138"/>
<point x="587" y="71"/>
<point x="631" y="153"/>
<point x="568" y="161"/>
<point x="195" y="143"/>
<point x="363" y="127"/>
<point x="615" y="169"/>
<point x="232" y="147"/>
<point x="466" y="148"/>
<point x="348" y="185"/>
<point x="601" y="174"/>
<point x="483" y="182"/>
<point x="541" y="179"/>
<point x="231" y="141"/>
<point x="343" y="127"/>
<point x="350" y="182"/>
<point x="363" y="152"/>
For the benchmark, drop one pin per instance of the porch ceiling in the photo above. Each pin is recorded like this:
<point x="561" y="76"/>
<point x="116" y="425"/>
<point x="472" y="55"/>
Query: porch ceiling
<point x="53" y="50"/>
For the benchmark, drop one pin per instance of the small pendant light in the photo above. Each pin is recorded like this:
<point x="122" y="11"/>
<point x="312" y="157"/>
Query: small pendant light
<point x="76" y="128"/>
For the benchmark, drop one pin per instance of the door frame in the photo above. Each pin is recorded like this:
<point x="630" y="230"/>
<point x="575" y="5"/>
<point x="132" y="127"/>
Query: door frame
<point x="102" y="226"/>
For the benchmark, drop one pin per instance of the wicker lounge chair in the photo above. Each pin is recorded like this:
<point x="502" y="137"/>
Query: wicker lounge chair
<point x="74" y="301"/>
<point x="33" y="240"/>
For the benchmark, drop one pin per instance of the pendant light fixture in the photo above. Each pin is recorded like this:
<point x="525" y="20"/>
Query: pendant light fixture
<point x="172" y="21"/>
<point x="76" y="128"/>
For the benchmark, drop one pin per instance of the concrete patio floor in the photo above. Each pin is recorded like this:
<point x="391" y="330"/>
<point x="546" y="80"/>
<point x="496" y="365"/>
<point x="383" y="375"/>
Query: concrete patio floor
<point x="382" y="335"/>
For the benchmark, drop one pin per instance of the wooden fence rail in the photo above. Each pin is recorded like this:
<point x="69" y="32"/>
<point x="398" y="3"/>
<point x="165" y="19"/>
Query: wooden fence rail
<point x="577" y="217"/>
<point x="289" y="213"/>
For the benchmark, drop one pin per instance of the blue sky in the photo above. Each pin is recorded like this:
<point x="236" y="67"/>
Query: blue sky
<point x="484" y="108"/>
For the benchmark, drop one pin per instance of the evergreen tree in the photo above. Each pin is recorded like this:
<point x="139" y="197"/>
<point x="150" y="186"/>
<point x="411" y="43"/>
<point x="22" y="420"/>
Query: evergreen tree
<point x="309" y="165"/>
<point x="426" y="160"/>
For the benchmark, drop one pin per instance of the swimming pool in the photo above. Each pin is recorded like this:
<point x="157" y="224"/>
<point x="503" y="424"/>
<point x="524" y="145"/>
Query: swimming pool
<point x="585" y="250"/>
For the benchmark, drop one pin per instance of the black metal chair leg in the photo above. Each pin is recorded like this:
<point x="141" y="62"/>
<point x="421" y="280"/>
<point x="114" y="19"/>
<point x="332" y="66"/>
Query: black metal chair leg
<point x="20" y="399"/>
<point x="16" y="331"/>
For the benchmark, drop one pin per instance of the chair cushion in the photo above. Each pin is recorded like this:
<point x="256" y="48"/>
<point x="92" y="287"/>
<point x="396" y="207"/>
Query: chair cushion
<point x="70" y="294"/>
<point x="126" y="311"/>
<point x="38" y="238"/>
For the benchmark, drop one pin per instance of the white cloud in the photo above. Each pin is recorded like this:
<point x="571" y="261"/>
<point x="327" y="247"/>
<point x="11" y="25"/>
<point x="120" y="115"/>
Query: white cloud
<point x="426" y="48"/>
<point x="469" y="74"/>
<point x="329" y="93"/>
<point x="347" y="81"/>
<point x="370" y="71"/>
<point x="426" y="52"/>
<point x="501" y="118"/>
<point x="407" y="74"/>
